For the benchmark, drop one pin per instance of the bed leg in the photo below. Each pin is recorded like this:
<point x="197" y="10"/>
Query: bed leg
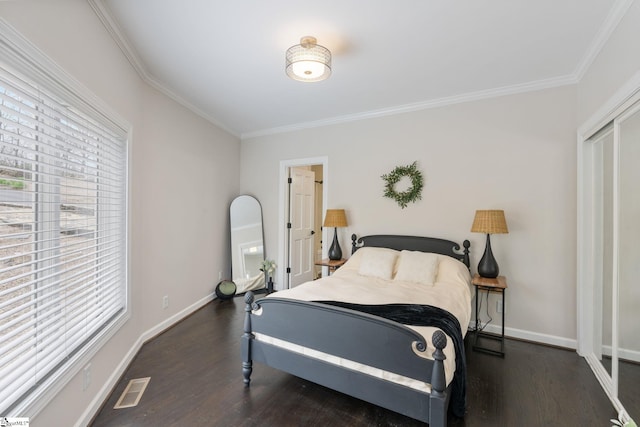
<point x="438" y="400"/>
<point x="247" y="339"/>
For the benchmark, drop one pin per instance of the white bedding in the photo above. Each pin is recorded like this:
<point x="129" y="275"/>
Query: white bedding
<point x="451" y="291"/>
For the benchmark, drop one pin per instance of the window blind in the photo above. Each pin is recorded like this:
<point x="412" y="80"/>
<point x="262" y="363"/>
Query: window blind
<point x="62" y="234"/>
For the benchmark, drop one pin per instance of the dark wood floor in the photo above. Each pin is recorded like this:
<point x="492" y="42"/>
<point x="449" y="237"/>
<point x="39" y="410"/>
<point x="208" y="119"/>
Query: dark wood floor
<point x="196" y="380"/>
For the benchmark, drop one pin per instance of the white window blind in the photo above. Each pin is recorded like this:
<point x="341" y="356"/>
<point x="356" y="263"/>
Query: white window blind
<point x="62" y="235"/>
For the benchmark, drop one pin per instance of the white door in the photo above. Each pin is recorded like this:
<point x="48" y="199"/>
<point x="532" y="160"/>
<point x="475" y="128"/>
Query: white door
<point x="301" y="236"/>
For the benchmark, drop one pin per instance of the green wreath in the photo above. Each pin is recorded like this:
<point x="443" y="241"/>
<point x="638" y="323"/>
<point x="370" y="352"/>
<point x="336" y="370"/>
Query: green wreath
<point x="413" y="193"/>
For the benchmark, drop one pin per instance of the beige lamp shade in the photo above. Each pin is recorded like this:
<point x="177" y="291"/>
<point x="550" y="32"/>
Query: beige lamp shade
<point x="490" y="222"/>
<point x="335" y="218"/>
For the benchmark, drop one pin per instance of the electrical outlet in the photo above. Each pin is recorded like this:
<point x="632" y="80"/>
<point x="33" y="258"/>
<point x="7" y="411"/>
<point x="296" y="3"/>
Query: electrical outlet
<point x="165" y="301"/>
<point x="499" y="306"/>
<point x="86" y="377"/>
<point x="219" y="275"/>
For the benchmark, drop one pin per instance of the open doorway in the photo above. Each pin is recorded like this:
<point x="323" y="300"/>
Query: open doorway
<point x="302" y="202"/>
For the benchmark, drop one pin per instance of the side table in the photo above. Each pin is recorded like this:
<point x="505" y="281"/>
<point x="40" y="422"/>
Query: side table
<point x="498" y="285"/>
<point x="331" y="264"/>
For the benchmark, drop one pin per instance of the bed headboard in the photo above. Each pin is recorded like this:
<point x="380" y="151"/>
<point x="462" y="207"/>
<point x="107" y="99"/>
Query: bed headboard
<point x="414" y="243"/>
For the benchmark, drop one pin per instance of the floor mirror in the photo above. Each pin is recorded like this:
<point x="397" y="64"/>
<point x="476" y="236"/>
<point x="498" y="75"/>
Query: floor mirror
<point x="247" y="243"/>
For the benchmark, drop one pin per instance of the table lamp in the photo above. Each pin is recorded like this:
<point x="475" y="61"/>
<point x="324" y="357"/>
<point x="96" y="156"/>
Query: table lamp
<point x="335" y="218"/>
<point x="489" y="222"/>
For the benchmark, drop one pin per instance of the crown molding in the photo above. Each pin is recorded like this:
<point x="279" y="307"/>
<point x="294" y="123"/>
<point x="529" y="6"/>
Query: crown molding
<point x="104" y="14"/>
<point x="424" y="105"/>
<point x="106" y="17"/>
<point x="617" y="12"/>
<point x="189" y="106"/>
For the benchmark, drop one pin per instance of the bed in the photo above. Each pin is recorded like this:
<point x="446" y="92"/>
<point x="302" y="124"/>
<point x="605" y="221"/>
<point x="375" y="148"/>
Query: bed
<point x="374" y="328"/>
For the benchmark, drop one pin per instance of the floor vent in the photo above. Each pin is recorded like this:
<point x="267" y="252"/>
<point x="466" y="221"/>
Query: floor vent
<point x="132" y="394"/>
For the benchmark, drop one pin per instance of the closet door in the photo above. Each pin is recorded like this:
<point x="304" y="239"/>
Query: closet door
<point x="609" y="256"/>
<point x="627" y="318"/>
<point x="602" y="148"/>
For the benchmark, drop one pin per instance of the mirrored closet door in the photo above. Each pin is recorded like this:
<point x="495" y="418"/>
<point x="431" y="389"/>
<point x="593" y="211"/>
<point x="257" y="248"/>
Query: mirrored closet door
<point x="628" y="293"/>
<point x="609" y="257"/>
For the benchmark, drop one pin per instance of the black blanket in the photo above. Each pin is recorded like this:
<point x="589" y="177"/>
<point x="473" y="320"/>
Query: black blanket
<point x="426" y="315"/>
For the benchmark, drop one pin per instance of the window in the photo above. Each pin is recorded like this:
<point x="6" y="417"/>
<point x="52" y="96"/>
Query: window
<point x="63" y="242"/>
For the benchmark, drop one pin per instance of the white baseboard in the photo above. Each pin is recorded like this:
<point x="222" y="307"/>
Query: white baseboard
<point x="112" y="381"/>
<point x="626" y="354"/>
<point x="530" y="336"/>
<point x="623" y="353"/>
<point x="176" y="318"/>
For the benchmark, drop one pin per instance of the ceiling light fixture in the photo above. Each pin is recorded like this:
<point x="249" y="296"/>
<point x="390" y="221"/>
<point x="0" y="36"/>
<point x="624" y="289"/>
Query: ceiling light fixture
<point x="308" y="61"/>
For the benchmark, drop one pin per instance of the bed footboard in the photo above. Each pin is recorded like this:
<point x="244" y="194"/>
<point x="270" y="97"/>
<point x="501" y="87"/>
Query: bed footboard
<point x="351" y="335"/>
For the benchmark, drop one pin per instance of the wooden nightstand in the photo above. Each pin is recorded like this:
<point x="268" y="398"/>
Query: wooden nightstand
<point x="499" y="285"/>
<point x="332" y="265"/>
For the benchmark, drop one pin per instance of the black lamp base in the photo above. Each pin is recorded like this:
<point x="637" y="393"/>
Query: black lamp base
<point x="488" y="267"/>
<point x="335" y="253"/>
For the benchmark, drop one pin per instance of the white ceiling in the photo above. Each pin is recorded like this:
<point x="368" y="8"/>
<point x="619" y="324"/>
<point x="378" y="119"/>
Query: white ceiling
<point x="224" y="59"/>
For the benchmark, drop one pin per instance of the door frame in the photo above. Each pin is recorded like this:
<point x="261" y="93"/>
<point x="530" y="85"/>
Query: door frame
<point x="283" y="203"/>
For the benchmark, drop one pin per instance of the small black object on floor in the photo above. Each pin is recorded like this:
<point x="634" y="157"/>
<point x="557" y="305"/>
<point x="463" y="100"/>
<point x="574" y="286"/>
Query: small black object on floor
<point x="225" y="290"/>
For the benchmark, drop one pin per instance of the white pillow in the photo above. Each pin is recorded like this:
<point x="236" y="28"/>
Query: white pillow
<point x="353" y="262"/>
<point x="377" y="262"/>
<point x="417" y="267"/>
<point x="452" y="271"/>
